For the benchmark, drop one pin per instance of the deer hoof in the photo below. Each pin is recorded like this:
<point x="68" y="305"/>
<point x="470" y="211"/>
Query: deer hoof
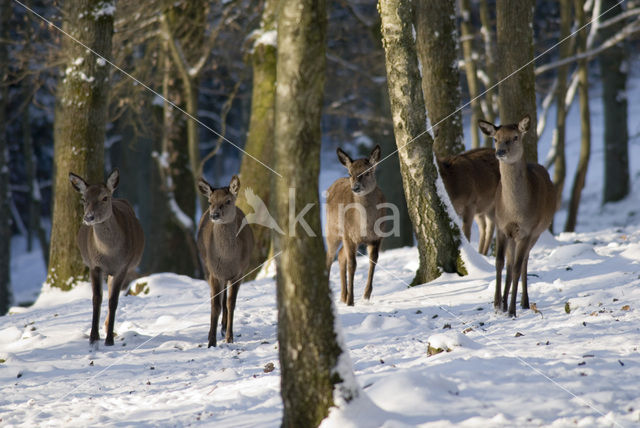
<point x="108" y="341"/>
<point x="212" y="344"/>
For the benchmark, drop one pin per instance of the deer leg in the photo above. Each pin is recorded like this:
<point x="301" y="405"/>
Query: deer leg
<point x="482" y="225"/>
<point x="350" y="253"/>
<point x="373" y="250"/>
<point x="490" y="228"/>
<point x="342" y="259"/>
<point x="115" y="285"/>
<point x="525" y="293"/>
<point x="467" y="220"/>
<point x="500" y="250"/>
<point x="223" y="323"/>
<point x="521" y="251"/>
<point x="231" y="307"/>
<point x="216" y="301"/>
<point x="509" y="277"/>
<point x="96" y="286"/>
<point x="332" y="247"/>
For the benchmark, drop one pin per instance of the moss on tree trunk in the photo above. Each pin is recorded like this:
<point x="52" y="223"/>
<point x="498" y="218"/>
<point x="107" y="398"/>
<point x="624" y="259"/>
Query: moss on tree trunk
<point x="260" y="140"/>
<point x="79" y="129"/>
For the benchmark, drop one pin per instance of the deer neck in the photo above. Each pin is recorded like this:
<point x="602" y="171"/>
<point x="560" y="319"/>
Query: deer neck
<point x="108" y="234"/>
<point x="515" y="183"/>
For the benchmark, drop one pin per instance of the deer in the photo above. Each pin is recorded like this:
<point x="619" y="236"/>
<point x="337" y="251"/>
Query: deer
<point x="111" y="242"/>
<point x="524" y="208"/>
<point x="225" y="244"/>
<point x="471" y="179"/>
<point x="354" y="217"/>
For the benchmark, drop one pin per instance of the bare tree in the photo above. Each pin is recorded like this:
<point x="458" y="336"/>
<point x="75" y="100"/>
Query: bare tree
<point x="517" y="94"/>
<point x="585" y="122"/>
<point x="309" y="350"/>
<point x="438" y="238"/>
<point x="81" y="113"/>
<point x="467" y="35"/>
<point x="560" y="163"/>
<point x="614" y="69"/>
<point x="436" y="41"/>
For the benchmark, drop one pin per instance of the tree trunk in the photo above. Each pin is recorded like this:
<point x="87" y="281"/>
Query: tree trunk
<point x="467" y="34"/>
<point x="517" y="92"/>
<point x="260" y="139"/>
<point x="585" y="122"/>
<point x="490" y="67"/>
<point x="5" y="214"/>
<point x="614" y="68"/>
<point x="438" y="237"/>
<point x="79" y="129"/>
<point x="309" y="350"/>
<point x="560" y="162"/>
<point x="436" y="44"/>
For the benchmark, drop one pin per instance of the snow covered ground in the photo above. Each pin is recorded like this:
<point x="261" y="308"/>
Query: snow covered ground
<point x="575" y="362"/>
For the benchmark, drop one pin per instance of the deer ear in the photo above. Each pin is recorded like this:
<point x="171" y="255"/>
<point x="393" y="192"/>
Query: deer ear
<point x="78" y="183"/>
<point x="113" y="180"/>
<point x="374" y="157"/>
<point x="344" y="158"/>
<point x="524" y="124"/>
<point x="204" y="187"/>
<point x="487" y="128"/>
<point x="234" y="185"/>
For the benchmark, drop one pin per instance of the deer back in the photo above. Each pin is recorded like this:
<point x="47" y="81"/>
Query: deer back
<point x="470" y="179"/>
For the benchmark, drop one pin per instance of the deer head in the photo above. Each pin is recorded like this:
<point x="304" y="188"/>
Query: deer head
<point x="507" y="138"/>
<point x="96" y="198"/>
<point x="222" y="201"/>
<point x="361" y="171"/>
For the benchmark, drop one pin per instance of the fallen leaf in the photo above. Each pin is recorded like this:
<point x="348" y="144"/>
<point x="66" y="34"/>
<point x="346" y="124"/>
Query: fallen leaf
<point x="626" y="308"/>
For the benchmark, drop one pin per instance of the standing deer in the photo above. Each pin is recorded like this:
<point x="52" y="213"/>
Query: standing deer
<point x="111" y="242"/>
<point x="471" y="179"/>
<point x="225" y="248"/>
<point x="525" y="204"/>
<point x="353" y="211"/>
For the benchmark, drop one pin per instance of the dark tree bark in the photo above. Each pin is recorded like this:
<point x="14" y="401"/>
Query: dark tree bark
<point x="490" y="67"/>
<point x="614" y="69"/>
<point x="308" y="346"/>
<point x="585" y="122"/>
<point x="260" y="140"/>
<point x="560" y="162"/>
<point x="517" y="93"/>
<point x="5" y="214"/>
<point x="79" y="129"/>
<point x="436" y="41"/>
<point x="467" y="34"/>
<point x="438" y="239"/>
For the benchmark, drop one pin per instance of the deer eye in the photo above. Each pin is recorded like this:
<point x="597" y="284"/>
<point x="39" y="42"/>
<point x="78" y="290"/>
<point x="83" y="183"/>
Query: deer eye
<point x="228" y="201"/>
<point x="515" y="138"/>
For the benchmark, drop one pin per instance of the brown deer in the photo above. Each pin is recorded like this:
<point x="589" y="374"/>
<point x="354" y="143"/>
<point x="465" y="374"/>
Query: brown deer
<point x="225" y="247"/>
<point x="353" y="214"/>
<point x="471" y="179"/>
<point x="111" y="242"/>
<point x="525" y="204"/>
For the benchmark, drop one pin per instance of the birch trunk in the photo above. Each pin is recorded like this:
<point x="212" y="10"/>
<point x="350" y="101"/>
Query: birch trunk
<point x="437" y="235"/>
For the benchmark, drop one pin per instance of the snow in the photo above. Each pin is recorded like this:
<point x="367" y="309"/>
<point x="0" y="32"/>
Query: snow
<point x="573" y="361"/>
